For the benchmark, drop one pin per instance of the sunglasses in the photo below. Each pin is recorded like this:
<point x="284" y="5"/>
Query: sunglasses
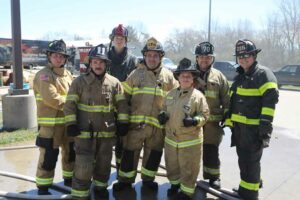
<point x="244" y="56"/>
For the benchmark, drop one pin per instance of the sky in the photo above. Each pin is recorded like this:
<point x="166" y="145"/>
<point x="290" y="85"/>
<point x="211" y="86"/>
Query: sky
<point x="159" y="18"/>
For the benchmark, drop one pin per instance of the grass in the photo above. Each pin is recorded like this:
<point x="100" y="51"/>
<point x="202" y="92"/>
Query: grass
<point x="17" y="136"/>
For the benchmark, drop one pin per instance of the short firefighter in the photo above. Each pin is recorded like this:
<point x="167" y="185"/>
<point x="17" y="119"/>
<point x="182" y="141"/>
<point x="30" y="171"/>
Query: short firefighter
<point x="95" y="110"/>
<point x="122" y="64"/>
<point x="184" y="114"/>
<point x="51" y="86"/>
<point x="254" y="95"/>
<point x="215" y="87"/>
<point x="145" y="88"/>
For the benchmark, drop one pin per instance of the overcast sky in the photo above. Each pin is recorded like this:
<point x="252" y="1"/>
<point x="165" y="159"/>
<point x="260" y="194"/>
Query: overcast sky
<point x="95" y="18"/>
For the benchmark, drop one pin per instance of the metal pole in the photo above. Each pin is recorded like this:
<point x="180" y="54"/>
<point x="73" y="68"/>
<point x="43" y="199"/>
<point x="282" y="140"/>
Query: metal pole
<point x="17" y="51"/>
<point x="209" y="21"/>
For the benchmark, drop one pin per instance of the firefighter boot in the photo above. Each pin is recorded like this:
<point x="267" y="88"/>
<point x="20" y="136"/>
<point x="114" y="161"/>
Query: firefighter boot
<point x="173" y="190"/>
<point x="43" y="191"/>
<point x="68" y="182"/>
<point x="101" y="193"/>
<point x="151" y="185"/>
<point x="215" y="183"/>
<point x="182" y="196"/>
<point x="119" y="186"/>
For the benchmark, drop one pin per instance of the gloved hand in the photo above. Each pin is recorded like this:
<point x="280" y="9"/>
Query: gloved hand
<point x="222" y="122"/>
<point x="73" y="130"/>
<point x="188" y="121"/>
<point x="122" y="129"/>
<point x="162" y="118"/>
<point x="264" y="133"/>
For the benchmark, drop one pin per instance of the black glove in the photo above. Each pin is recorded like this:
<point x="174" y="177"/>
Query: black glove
<point x="188" y="121"/>
<point x="73" y="130"/>
<point x="122" y="129"/>
<point x="162" y="118"/>
<point x="264" y="133"/>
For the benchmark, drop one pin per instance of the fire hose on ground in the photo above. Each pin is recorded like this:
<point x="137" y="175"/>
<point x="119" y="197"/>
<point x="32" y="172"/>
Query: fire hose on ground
<point x="223" y="194"/>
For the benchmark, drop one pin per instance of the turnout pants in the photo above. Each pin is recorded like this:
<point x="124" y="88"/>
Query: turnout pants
<point x="151" y="140"/>
<point x="49" y="140"/>
<point x="93" y="163"/>
<point x="183" y="165"/>
<point x="249" y="152"/>
<point x="213" y="135"/>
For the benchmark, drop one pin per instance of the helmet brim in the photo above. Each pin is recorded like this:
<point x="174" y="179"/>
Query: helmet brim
<point x="60" y="52"/>
<point x="256" y="51"/>
<point x="194" y="72"/>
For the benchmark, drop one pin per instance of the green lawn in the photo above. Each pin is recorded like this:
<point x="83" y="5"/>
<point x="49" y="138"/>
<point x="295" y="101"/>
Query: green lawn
<point x="12" y="137"/>
<point x="17" y="136"/>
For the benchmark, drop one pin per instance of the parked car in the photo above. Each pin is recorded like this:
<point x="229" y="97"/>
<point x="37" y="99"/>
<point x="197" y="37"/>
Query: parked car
<point x="288" y="75"/>
<point x="228" y="68"/>
<point x="167" y="62"/>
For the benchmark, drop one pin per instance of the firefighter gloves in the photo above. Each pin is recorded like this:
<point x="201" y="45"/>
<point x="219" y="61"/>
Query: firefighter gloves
<point x="162" y="117"/>
<point x="72" y="130"/>
<point x="122" y="129"/>
<point x="264" y="132"/>
<point x="188" y="121"/>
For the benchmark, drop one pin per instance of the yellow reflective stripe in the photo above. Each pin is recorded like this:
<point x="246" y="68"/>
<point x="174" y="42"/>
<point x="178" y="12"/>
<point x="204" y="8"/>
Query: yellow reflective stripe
<point x="119" y="97"/>
<point x="102" y="134"/>
<point x="211" y="170"/>
<point x="266" y="86"/>
<point x="127" y="88"/>
<point x="72" y="97"/>
<point x="123" y="117"/>
<point x="70" y="118"/>
<point x="118" y="160"/>
<point x="267" y="111"/>
<point x="148" y="90"/>
<point x="148" y="172"/>
<point x="43" y="181"/>
<point x="38" y="97"/>
<point x="244" y="120"/>
<point x="50" y="120"/>
<point x="67" y="174"/>
<point x="176" y="182"/>
<point x="127" y="174"/>
<point x="99" y="108"/>
<point x="248" y="92"/>
<point x="183" y="144"/>
<point x="80" y="193"/>
<point x="211" y="94"/>
<point x="99" y="183"/>
<point x="170" y="98"/>
<point x="230" y="93"/>
<point x="249" y="186"/>
<point x="145" y="119"/>
<point x="215" y="118"/>
<point x="187" y="189"/>
<point x="228" y="122"/>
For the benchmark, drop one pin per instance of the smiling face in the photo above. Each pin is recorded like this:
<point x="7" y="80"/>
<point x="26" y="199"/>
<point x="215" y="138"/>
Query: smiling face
<point x="152" y="59"/>
<point x="204" y="61"/>
<point x="186" y="80"/>
<point x="246" y="61"/>
<point x="98" y="66"/>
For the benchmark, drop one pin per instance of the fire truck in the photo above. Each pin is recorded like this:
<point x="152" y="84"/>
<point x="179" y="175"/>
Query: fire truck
<point x="33" y="53"/>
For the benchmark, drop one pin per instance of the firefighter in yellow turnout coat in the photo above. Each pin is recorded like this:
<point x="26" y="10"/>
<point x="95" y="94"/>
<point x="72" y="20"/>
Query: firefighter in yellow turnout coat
<point x="51" y="86"/>
<point x="146" y="88"/>
<point x="95" y="111"/>
<point x="186" y="111"/>
<point x="215" y="87"/>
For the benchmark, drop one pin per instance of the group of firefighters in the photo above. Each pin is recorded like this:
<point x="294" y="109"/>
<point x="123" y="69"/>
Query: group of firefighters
<point x="139" y="105"/>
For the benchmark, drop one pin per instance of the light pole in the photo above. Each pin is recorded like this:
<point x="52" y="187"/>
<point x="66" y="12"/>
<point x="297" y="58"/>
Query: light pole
<point x="209" y="21"/>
